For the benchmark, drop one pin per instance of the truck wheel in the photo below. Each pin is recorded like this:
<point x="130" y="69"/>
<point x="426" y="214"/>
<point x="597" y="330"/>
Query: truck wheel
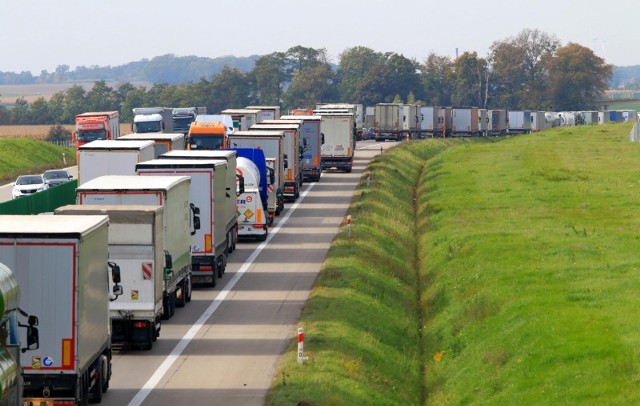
<point x="106" y="374"/>
<point x="83" y="390"/>
<point x="182" y="300"/>
<point x="220" y="266"/>
<point x="189" y="287"/>
<point x="173" y="300"/>
<point x="264" y="236"/>
<point x="96" y="391"/>
<point x="229" y="243"/>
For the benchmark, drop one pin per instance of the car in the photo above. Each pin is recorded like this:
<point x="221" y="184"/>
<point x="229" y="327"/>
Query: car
<point x="54" y="177"/>
<point x="28" y="184"/>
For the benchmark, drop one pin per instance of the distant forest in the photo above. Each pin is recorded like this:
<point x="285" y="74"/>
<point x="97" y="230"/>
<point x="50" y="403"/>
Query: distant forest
<point x="173" y="70"/>
<point x="168" y="69"/>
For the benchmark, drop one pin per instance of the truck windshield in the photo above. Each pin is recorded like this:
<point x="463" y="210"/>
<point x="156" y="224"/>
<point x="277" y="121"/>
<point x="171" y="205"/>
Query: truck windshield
<point x="206" y="142"/>
<point x="148" y="127"/>
<point x="182" y="123"/>
<point x="91" y="135"/>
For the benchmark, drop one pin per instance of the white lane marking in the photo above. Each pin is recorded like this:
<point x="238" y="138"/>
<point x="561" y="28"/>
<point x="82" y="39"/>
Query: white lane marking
<point x="376" y="145"/>
<point x="179" y="348"/>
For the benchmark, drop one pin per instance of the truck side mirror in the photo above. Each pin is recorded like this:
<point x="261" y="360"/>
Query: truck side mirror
<point x="322" y="137"/>
<point x="33" y="339"/>
<point x="272" y="176"/>
<point x="240" y="180"/>
<point x="168" y="261"/>
<point x="115" y="272"/>
<point x="117" y="290"/>
<point x="286" y="162"/>
<point x="196" y="219"/>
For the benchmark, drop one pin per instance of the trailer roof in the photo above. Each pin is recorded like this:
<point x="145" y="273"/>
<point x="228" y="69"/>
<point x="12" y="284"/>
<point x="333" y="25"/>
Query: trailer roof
<point x="240" y="111"/>
<point x="132" y="182"/>
<point x="261" y="133"/>
<point x="26" y="225"/>
<point x="181" y="163"/>
<point x="302" y="118"/>
<point x="263" y="107"/>
<point x="298" y="121"/>
<point x="151" y="136"/>
<point x="118" y="214"/>
<point x="275" y="126"/>
<point x="116" y="144"/>
<point x="199" y="154"/>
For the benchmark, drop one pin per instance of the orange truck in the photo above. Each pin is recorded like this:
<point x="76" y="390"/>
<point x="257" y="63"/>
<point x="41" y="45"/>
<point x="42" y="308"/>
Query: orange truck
<point x="98" y="125"/>
<point x="207" y="135"/>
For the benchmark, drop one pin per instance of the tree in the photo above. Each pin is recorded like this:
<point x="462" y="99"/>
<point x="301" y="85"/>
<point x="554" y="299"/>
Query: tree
<point x="101" y="98"/>
<point x="354" y="64"/>
<point x="55" y="108"/>
<point x="231" y="88"/>
<point x="20" y="111"/>
<point x="437" y="79"/>
<point x="470" y="78"/>
<point x="270" y="75"/>
<point x="75" y="103"/>
<point x="576" y="77"/>
<point x="39" y="112"/>
<point x="310" y="86"/>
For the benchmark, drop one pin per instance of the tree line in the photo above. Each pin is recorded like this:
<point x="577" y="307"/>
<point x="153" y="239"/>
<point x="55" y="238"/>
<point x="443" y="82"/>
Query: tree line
<point x="529" y="71"/>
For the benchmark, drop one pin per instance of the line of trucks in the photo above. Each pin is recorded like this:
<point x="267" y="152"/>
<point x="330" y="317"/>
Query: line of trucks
<point x="397" y="121"/>
<point x="157" y="212"/>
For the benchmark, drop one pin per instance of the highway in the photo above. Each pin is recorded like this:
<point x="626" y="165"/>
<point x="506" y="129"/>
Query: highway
<point x="224" y="346"/>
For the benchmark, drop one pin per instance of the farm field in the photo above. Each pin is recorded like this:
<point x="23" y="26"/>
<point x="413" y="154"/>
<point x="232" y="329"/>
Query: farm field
<point x="39" y="132"/>
<point x="9" y="93"/>
<point x="486" y="271"/>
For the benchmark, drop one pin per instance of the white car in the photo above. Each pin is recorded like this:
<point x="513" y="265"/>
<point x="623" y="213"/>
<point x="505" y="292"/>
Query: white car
<point x="28" y="184"/>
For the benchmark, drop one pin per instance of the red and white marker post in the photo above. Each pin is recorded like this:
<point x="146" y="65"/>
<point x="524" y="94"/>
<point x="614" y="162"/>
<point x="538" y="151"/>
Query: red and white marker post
<point x="300" y="345"/>
<point x="349" y="226"/>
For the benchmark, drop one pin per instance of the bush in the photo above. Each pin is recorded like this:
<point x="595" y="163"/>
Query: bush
<point x="58" y="133"/>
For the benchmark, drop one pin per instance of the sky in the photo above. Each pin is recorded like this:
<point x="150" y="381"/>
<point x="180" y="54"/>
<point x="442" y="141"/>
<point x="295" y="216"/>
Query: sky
<point x="38" y="35"/>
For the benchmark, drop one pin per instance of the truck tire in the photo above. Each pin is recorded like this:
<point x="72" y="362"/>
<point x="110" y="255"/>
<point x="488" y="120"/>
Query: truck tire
<point x="96" y="391"/>
<point x="182" y="301"/>
<point x="106" y="373"/>
<point x="82" y="390"/>
<point x="189" y="289"/>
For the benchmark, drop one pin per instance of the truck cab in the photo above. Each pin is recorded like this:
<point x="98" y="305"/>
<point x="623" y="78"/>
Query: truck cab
<point x="207" y="135"/>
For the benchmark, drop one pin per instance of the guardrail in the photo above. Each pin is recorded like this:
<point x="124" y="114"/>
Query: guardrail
<point x="634" y="135"/>
<point x="62" y="143"/>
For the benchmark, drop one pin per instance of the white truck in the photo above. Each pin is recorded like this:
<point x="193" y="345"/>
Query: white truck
<point x="266" y="112"/>
<point x="428" y="118"/>
<point x="207" y="193"/>
<point x="252" y="216"/>
<point x="519" y="121"/>
<point x="272" y="143"/>
<point x="162" y="142"/>
<point x="293" y="153"/>
<point x="61" y="264"/>
<point x="339" y="141"/>
<point x="311" y="141"/>
<point x="410" y="120"/>
<point x="243" y="119"/>
<point x="152" y="120"/>
<point x="465" y="121"/>
<point x="111" y="157"/>
<point x="388" y="122"/>
<point x="231" y="206"/>
<point x="136" y="245"/>
<point x="497" y="122"/>
<point x="180" y="220"/>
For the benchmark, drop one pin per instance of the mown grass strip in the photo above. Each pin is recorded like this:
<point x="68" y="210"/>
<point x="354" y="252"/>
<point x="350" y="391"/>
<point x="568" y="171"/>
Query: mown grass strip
<point x="19" y="156"/>
<point x="361" y="320"/>
<point x="533" y="267"/>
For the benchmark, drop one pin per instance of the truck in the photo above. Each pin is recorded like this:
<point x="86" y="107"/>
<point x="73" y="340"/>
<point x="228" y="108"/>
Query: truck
<point x="519" y="121"/>
<point x="445" y="121"/>
<point x="252" y="213"/>
<point x="388" y="122"/>
<point x="96" y="125"/>
<point x="62" y="268"/>
<point x="152" y="120"/>
<point x="465" y="121"/>
<point x="231" y="207"/>
<point x="208" y="194"/>
<point x="207" y="135"/>
<point x="184" y="116"/>
<point x="243" y="119"/>
<point x="180" y="220"/>
<point x="266" y="112"/>
<point x="293" y="152"/>
<point x="10" y="345"/>
<point x="162" y="142"/>
<point x="357" y="110"/>
<point x="136" y="245"/>
<point x="99" y="158"/>
<point x="339" y="141"/>
<point x="429" y="121"/>
<point x="410" y="120"/>
<point x="497" y="122"/>
<point x="272" y="143"/>
<point x="312" y="141"/>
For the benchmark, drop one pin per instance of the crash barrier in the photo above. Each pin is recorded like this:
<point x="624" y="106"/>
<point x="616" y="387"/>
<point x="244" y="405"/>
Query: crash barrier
<point x="42" y="202"/>
<point x="634" y="135"/>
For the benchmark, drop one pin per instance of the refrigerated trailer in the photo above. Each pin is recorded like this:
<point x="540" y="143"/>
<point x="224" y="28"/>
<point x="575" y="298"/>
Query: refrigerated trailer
<point x="136" y="245"/>
<point x="208" y="195"/>
<point x="388" y="122"/>
<point x="162" y="142"/>
<point x="111" y="157"/>
<point x="339" y="145"/>
<point x="179" y="219"/>
<point x="61" y="264"/>
<point x="311" y="141"/>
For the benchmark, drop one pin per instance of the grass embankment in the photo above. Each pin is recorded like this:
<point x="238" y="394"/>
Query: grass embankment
<point x="530" y="274"/>
<point x="27" y="156"/>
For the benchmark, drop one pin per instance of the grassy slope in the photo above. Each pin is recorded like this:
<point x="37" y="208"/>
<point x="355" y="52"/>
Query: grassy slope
<point x="22" y="156"/>
<point x="530" y="266"/>
<point x="532" y="256"/>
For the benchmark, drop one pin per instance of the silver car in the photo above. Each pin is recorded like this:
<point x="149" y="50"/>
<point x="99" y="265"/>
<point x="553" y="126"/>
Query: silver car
<point x="54" y="177"/>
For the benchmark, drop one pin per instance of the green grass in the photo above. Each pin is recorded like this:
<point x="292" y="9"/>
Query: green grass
<point x="20" y="156"/>
<point x="523" y="260"/>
